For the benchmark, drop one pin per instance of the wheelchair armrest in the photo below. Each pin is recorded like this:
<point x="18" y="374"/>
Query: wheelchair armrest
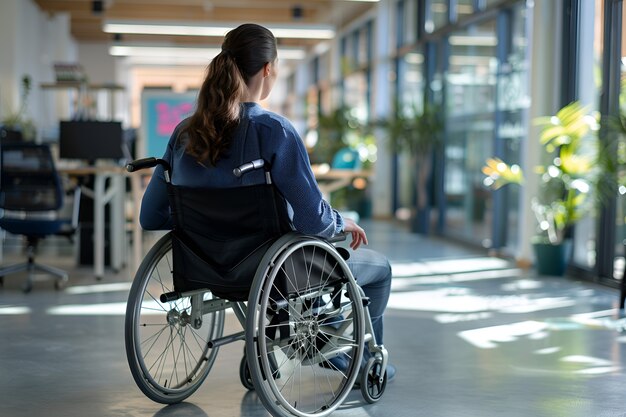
<point x="339" y="238"/>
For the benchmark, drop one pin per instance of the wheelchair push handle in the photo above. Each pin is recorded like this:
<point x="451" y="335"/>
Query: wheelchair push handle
<point x="151" y="162"/>
<point x="249" y="166"/>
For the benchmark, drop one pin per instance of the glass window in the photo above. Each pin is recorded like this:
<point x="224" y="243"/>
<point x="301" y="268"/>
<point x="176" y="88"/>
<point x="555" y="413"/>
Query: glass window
<point x="438" y="15"/>
<point x="464" y="8"/>
<point x="620" y="221"/>
<point x="470" y="89"/>
<point x="356" y="49"/>
<point x="490" y="3"/>
<point x="411" y="99"/>
<point x="398" y="25"/>
<point x="410" y="22"/>
<point x="591" y="30"/>
<point x="355" y="95"/>
<point x="405" y="26"/>
<point x="512" y="105"/>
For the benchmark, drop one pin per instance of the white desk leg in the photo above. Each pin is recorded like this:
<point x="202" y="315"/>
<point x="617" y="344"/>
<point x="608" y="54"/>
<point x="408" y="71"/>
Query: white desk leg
<point x="135" y="183"/>
<point x="98" y="244"/>
<point x="117" y="222"/>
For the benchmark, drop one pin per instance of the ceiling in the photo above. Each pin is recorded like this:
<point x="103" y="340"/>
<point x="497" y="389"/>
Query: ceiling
<point x="86" y="25"/>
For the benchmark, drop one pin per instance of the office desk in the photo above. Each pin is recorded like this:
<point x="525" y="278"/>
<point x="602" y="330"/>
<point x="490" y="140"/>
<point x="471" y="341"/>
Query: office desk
<point x="113" y="195"/>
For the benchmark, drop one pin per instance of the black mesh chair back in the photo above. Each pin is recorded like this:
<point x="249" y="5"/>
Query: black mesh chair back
<point x="29" y="180"/>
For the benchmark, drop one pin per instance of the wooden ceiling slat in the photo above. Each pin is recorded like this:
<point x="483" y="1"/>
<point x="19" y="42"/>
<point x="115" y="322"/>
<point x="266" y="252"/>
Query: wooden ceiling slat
<point x="87" y="26"/>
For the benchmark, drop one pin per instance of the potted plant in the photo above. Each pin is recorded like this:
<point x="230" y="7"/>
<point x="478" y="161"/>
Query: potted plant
<point x="567" y="175"/>
<point x="344" y="142"/>
<point x="417" y="133"/>
<point x="335" y="131"/>
<point x="19" y="120"/>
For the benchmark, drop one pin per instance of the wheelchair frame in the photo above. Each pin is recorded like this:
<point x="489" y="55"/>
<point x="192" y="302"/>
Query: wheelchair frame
<point x="293" y="326"/>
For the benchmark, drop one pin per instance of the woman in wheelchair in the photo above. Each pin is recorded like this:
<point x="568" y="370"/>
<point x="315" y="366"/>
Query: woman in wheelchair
<point x="209" y="157"/>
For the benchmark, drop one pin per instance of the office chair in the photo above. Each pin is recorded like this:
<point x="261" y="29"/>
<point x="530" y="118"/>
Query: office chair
<point x="32" y="204"/>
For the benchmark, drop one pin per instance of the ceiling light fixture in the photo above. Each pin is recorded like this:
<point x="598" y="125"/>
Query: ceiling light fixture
<point x="184" y="52"/>
<point x="299" y="31"/>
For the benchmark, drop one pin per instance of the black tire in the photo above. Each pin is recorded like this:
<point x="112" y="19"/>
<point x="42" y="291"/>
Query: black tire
<point x="244" y="375"/>
<point x="299" y="320"/>
<point x="168" y="358"/>
<point x="373" y="383"/>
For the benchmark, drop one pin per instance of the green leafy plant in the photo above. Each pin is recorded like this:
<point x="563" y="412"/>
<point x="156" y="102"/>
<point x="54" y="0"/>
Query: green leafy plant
<point x="19" y="120"/>
<point x="418" y="133"/>
<point x="568" y="175"/>
<point x="340" y="129"/>
<point x="612" y="160"/>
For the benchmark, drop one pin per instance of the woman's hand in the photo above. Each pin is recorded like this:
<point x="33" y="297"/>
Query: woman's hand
<point x="358" y="234"/>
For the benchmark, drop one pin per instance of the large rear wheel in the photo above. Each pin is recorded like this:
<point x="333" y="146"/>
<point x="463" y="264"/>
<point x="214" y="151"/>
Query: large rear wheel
<point x="168" y="355"/>
<point x="305" y="328"/>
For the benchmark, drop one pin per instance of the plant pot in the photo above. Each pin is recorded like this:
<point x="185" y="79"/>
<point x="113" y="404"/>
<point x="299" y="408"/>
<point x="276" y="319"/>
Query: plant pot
<point x="420" y="222"/>
<point x="552" y="259"/>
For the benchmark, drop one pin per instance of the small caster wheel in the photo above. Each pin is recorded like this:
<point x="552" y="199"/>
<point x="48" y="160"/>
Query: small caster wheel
<point x="373" y="380"/>
<point x="28" y="287"/>
<point x="244" y="375"/>
<point x="59" y="284"/>
<point x="2" y="281"/>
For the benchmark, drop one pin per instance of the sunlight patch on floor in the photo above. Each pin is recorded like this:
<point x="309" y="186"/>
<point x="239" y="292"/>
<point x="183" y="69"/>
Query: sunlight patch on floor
<point x="104" y="309"/>
<point x="489" y="337"/>
<point x="99" y="288"/>
<point x="399" y="283"/>
<point x="14" y="310"/>
<point x="548" y="351"/>
<point x="447" y="266"/>
<point x="460" y="300"/>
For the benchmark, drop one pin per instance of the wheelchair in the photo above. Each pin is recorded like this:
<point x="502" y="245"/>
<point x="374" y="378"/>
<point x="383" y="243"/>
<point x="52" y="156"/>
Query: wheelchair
<point x="295" y="297"/>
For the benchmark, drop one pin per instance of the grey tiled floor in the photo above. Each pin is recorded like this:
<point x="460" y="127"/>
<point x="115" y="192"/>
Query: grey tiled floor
<point x="470" y="336"/>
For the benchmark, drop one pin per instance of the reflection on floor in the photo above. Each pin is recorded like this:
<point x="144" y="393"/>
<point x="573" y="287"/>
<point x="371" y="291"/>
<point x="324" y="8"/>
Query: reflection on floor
<point x="470" y="336"/>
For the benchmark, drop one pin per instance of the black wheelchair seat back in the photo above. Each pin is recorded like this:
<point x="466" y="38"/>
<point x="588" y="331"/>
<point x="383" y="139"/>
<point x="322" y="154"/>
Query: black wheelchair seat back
<point x="221" y="234"/>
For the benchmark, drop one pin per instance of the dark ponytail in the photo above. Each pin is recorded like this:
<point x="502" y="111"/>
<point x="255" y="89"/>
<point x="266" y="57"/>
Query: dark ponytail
<point x="245" y="50"/>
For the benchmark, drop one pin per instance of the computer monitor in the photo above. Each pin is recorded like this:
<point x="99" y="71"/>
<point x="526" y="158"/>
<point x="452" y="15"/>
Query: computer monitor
<point x="90" y="140"/>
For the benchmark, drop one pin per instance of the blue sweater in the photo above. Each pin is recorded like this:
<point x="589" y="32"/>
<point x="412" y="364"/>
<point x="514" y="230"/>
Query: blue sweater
<point x="291" y="173"/>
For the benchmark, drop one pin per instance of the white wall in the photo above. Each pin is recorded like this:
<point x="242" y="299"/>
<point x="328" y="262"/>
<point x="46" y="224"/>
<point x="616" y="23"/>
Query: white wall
<point x="98" y="64"/>
<point x="8" y="50"/>
<point x="30" y="42"/>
